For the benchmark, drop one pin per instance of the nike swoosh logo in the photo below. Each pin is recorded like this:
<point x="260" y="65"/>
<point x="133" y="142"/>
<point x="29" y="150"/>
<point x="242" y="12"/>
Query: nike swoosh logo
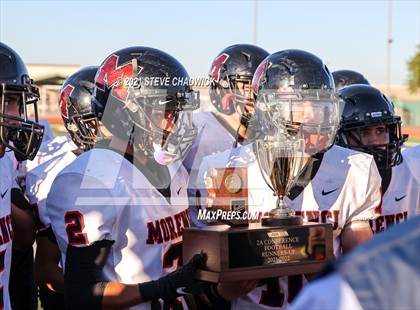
<point x="329" y="192"/>
<point x="2" y="195"/>
<point x="402" y="197"/>
<point x="164" y="102"/>
<point x="177" y="192"/>
<point x="180" y="291"/>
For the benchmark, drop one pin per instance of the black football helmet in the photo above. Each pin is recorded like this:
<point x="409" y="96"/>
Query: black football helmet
<point x="296" y="97"/>
<point x="76" y="108"/>
<point x="22" y="134"/>
<point x="366" y="106"/>
<point x="348" y="77"/>
<point x="137" y="87"/>
<point x="235" y="64"/>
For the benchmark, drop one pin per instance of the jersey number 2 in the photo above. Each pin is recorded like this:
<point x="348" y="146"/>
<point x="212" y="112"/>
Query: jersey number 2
<point x="75" y="225"/>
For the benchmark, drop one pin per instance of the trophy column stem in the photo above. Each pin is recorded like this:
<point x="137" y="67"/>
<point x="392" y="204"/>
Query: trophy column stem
<point x="281" y="215"/>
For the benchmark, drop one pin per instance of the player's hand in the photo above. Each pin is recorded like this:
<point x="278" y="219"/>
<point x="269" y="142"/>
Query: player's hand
<point x="177" y="283"/>
<point x="233" y="290"/>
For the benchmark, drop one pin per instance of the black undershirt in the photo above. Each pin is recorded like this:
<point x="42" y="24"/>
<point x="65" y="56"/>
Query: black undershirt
<point x="386" y="175"/>
<point x="308" y="173"/>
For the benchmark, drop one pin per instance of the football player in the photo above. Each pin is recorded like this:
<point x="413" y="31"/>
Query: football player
<point x="230" y="93"/>
<point x="348" y="77"/>
<point x="295" y="93"/>
<point x="22" y="135"/>
<point x="118" y="210"/>
<point x="80" y="122"/>
<point x="369" y="125"/>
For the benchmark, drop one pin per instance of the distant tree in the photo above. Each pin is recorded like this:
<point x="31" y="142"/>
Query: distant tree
<point x="414" y="71"/>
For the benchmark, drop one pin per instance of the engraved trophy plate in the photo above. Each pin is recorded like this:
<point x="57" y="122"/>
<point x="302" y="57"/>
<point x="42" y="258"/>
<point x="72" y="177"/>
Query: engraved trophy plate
<point x="268" y="247"/>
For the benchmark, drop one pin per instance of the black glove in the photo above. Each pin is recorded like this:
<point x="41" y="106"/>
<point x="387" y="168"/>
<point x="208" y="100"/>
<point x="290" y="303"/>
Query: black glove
<point x="179" y="282"/>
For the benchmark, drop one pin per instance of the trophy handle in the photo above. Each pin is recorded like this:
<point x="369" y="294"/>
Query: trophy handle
<point x="259" y="144"/>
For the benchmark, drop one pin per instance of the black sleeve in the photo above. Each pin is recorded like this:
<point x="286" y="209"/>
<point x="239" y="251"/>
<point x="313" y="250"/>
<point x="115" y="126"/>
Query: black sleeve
<point x="19" y="200"/>
<point x="84" y="283"/>
<point x="48" y="233"/>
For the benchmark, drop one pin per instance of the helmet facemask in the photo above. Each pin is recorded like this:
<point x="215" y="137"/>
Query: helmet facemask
<point x="238" y="98"/>
<point x="83" y="129"/>
<point x="232" y="94"/>
<point x="312" y="115"/>
<point x="386" y="154"/>
<point x="162" y="125"/>
<point x="20" y="133"/>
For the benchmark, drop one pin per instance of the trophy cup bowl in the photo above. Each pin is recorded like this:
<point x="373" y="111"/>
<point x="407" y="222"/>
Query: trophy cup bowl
<point x="281" y="161"/>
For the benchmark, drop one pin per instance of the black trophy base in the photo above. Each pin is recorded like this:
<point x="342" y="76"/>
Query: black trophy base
<point x="257" y="252"/>
<point x="281" y="221"/>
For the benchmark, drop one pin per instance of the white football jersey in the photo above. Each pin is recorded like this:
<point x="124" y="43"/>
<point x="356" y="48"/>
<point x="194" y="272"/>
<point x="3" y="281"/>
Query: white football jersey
<point x="212" y="138"/>
<point x="101" y="195"/>
<point x="16" y="167"/>
<point x="412" y="157"/>
<point x="345" y="188"/>
<point x="48" y="133"/>
<point x="401" y="199"/>
<point x="38" y="185"/>
<point x="50" y="149"/>
<point x="6" y="231"/>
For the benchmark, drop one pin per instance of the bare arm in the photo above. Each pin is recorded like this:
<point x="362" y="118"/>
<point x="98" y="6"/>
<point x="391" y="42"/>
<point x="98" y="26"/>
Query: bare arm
<point x="354" y="233"/>
<point x="23" y="228"/>
<point x="120" y="296"/>
<point x="47" y="270"/>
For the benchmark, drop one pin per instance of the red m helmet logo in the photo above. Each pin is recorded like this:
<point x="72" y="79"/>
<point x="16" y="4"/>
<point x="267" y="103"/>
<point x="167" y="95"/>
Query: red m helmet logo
<point x="64" y="94"/>
<point x="217" y="65"/>
<point x="111" y="76"/>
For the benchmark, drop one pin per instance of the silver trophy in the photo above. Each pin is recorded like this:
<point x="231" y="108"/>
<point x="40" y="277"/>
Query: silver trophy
<point x="281" y="160"/>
